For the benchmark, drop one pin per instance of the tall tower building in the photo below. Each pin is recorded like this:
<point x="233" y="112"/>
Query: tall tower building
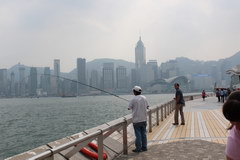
<point x="22" y="84"/>
<point x="57" y="79"/>
<point x="33" y="81"/>
<point x="81" y="74"/>
<point x="46" y="83"/>
<point x="3" y="82"/>
<point x="94" y="78"/>
<point x="140" y="54"/>
<point x="154" y="66"/>
<point x="12" y="84"/>
<point x="140" y="63"/>
<point x="108" y="76"/>
<point x="121" y="76"/>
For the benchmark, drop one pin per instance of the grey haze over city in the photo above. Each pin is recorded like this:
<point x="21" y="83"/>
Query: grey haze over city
<point x="35" y="33"/>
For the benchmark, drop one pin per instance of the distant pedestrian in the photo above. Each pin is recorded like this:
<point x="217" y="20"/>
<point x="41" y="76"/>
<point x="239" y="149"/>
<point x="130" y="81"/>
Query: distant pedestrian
<point x="222" y="95"/>
<point x="218" y="94"/>
<point x="203" y="95"/>
<point x="179" y="105"/>
<point x="139" y="106"/>
<point x="231" y="111"/>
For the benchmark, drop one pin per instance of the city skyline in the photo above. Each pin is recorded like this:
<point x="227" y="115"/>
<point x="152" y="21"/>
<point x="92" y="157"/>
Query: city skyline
<point x="34" y="33"/>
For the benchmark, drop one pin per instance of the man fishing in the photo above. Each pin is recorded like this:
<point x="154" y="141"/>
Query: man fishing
<point x="139" y="106"/>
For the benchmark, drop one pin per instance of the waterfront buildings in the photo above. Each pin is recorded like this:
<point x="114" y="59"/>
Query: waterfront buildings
<point x="12" y="85"/>
<point x="57" y="79"/>
<point x="46" y="81"/>
<point x="202" y="81"/>
<point x="108" y="76"/>
<point x="3" y="82"/>
<point x="140" y="55"/>
<point x="33" y="81"/>
<point x="140" y="62"/>
<point x="22" y="81"/>
<point x="94" y="78"/>
<point x="81" y="75"/>
<point x="121" y="77"/>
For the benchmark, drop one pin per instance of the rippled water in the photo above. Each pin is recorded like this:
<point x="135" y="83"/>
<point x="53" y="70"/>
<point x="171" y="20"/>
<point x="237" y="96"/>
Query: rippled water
<point x="26" y="123"/>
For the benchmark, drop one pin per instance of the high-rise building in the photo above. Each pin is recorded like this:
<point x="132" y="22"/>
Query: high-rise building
<point x="56" y="90"/>
<point x="108" y="76"/>
<point x="3" y="82"/>
<point x="12" y="84"/>
<point x="140" y="62"/>
<point x="140" y="54"/>
<point x="81" y="74"/>
<point x="46" y="81"/>
<point x="33" y="81"/>
<point x="22" y="83"/>
<point x="121" y="76"/>
<point x="154" y="66"/>
<point x="94" y="78"/>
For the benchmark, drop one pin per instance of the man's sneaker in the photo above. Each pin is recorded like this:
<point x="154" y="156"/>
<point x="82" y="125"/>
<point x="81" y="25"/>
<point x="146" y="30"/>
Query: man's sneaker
<point x="174" y="123"/>
<point x="136" y="150"/>
<point x="144" y="150"/>
<point x="182" y="123"/>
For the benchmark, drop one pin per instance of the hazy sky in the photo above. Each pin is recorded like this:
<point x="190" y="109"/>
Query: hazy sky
<point x="34" y="32"/>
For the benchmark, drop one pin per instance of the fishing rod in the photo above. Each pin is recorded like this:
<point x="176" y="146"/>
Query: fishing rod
<point x="87" y="86"/>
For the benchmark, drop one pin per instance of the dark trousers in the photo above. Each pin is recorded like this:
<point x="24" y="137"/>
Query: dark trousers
<point x="141" y="137"/>
<point x="179" y="108"/>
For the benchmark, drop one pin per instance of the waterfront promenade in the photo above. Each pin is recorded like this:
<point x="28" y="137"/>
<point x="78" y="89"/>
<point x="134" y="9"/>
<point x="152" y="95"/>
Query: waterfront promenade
<point x="203" y="137"/>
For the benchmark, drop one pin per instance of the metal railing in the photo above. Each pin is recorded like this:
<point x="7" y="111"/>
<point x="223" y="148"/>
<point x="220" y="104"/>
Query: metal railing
<point x="159" y="112"/>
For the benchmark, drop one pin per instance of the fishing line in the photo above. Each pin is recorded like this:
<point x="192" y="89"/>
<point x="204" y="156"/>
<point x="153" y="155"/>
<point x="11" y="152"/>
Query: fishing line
<point x="88" y="86"/>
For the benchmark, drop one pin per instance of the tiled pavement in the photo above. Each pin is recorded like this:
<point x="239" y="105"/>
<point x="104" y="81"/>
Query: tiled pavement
<point x="181" y="150"/>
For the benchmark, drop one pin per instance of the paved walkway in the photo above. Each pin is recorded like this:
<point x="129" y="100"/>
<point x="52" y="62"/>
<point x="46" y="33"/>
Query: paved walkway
<point x="181" y="150"/>
<point x="202" y="138"/>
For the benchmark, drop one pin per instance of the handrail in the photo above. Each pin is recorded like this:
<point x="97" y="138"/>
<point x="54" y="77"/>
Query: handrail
<point x="164" y="110"/>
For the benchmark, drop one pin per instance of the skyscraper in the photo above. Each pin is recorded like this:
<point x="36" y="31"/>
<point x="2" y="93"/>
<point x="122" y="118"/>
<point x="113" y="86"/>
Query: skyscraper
<point x="140" y="62"/>
<point x="154" y="66"/>
<point x="140" y="54"/>
<point x="108" y="76"/>
<point x="56" y="90"/>
<point x="46" y="82"/>
<point x="94" y="78"/>
<point x="3" y="82"/>
<point x="121" y="76"/>
<point x="12" y="85"/>
<point x="81" y="74"/>
<point x="21" y="81"/>
<point x="33" y="82"/>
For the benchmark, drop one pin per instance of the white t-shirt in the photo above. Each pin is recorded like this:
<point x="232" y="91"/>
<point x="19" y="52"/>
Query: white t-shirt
<point x="139" y="105"/>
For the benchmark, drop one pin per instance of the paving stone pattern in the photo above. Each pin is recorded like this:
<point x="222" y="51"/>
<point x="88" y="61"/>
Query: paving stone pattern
<point x="181" y="150"/>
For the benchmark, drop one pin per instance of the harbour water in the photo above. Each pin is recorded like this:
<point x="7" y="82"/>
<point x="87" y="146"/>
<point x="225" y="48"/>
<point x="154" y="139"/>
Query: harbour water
<point x="27" y="123"/>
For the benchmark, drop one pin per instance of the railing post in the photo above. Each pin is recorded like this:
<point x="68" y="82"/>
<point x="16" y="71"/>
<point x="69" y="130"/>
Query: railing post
<point x="157" y="114"/>
<point x="170" y="106"/>
<point x="125" y="141"/>
<point x="165" y="111"/>
<point x="168" y="109"/>
<point x="150" y="121"/>
<point x="100" y="146"/>
<point x="161" y="113"/>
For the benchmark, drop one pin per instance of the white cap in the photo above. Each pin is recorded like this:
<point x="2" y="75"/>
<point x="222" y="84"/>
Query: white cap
<point x="137" y="89"/>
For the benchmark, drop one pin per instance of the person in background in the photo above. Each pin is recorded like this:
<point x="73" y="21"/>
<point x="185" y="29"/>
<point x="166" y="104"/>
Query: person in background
<point x="231" y="111"/>
<point x="218" y="94"/>
<point x="139" y="106"/>
<point x="203" y="95"/>
<point x="222" y="95"/>
<point x="179" y="105"/>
